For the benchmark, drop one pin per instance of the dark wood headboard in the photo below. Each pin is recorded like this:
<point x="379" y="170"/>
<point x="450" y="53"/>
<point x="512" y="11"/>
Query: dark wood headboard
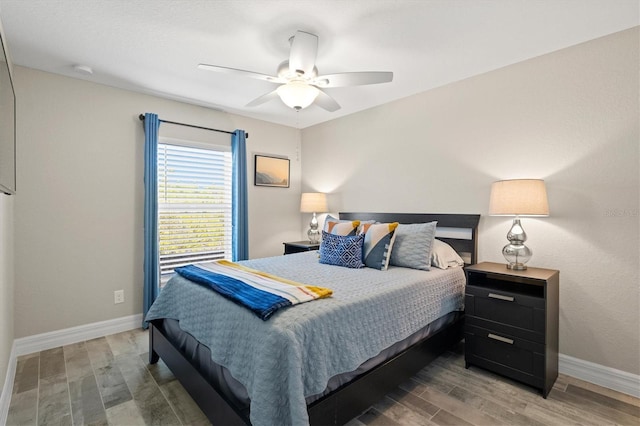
<point x="448" y="224"/>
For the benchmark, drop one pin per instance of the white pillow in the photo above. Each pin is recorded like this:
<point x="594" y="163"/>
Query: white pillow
<point x="443" y="256"/>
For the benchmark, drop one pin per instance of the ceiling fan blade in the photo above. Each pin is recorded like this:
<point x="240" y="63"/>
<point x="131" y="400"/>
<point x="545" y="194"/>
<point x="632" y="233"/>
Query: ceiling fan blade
<point x="263" y="99"/>
<point x="304" y="49"/>
<point x="325" y="101"/>
<point x="353" y="79"/>
<point x="242" y="73"/>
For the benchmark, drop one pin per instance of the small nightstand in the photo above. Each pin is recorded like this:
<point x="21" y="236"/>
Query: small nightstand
<point x="300" y="246"/>
<point x="511" y="325"/>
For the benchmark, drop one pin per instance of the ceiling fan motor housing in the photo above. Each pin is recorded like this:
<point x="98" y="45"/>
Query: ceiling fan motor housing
<point x="285" y="72"/>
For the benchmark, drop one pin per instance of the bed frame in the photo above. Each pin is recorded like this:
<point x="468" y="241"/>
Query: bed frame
<point x="350" y="400"/>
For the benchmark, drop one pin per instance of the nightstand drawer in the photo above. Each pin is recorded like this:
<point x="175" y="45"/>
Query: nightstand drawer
<point x="502" y="328"/>
<point x="513" y="309"/>
<point x="510" y="352"/>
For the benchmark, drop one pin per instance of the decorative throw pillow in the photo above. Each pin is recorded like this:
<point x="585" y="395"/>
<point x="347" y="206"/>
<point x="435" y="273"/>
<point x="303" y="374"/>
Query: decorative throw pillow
<point x="343" y="227"/>
<point x="443" y="256"/>
<point x="341" y="250"/>
<point x="363" y="223"/>
<point x="330" y="218"/>
<point x="412" y="247"/>
<point x="378" y="242"/>
<point x="340" y="227"/>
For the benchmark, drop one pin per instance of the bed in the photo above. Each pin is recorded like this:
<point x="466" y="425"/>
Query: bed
<point x="299" y="374"/>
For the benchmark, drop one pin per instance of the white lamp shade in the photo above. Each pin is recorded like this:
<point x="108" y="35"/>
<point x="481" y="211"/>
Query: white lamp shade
<point x="313" y="202"/>
<point x="297" y="94"/>
<point x="520" y="197"/>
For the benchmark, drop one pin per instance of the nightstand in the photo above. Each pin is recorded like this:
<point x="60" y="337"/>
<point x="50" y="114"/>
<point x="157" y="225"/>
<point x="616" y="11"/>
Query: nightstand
<point x="300" y="246"/>
<point x="511" y="325"/>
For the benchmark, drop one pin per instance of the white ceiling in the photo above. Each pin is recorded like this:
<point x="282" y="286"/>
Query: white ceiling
<point x="154" y="46"/>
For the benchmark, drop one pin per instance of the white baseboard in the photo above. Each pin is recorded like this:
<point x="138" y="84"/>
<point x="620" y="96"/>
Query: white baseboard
<point x="54" y="339"/>
<point x="608" y="377"/>
<point x="7" y="389"/>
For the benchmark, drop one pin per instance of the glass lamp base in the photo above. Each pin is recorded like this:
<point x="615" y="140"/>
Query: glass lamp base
<point x="314" y="236"/>
<point x="517" y="255"/>
<point x="517" y="267"/>
<point x="313" y="233"/>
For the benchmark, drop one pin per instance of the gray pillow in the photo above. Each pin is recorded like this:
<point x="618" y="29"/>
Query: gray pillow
<point x="412" y="248"/>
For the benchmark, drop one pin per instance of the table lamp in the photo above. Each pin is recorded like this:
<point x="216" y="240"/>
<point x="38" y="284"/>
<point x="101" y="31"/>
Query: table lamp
<point x="313" y="202"/>
<point x="518" y="197"/>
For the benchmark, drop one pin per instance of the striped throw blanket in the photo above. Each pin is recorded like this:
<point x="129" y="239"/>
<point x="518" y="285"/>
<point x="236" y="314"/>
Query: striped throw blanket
<point x="258" y="291"/>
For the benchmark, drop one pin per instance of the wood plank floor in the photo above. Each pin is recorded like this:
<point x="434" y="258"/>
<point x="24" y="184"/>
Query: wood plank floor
<point x="108" y="381"/>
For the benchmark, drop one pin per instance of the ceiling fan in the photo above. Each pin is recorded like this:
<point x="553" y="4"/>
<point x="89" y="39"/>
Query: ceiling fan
<point x="300" y="84"/>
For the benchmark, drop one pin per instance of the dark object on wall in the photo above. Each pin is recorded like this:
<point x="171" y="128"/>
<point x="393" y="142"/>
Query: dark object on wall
<point x="7" y="122"/>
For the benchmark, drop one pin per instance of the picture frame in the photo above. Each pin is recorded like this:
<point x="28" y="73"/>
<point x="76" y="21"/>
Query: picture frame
<point x="271" y="171"/>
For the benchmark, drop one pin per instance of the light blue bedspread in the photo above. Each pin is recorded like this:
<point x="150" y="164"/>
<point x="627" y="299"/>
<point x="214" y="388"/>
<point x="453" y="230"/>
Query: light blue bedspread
<point x="296" y="352"/>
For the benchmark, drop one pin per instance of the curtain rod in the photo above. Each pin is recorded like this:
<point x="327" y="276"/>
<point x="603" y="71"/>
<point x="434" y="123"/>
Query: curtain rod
<point x="141" y="117"/>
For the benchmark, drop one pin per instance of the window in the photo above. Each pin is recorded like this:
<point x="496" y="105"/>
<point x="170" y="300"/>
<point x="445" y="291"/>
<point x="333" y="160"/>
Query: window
<point x="194" y="204"/>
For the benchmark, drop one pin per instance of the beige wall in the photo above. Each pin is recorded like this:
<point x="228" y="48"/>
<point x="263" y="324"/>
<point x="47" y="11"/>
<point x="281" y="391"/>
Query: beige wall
<point x="569" y="117"/>
<point x="6" y="283"/>
<point x="79" y="207"/>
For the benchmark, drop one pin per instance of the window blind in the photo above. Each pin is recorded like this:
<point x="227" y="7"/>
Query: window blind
<point x="194" y="205"/>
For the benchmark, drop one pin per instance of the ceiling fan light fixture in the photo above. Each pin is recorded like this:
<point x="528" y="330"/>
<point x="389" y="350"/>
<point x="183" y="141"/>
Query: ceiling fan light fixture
<point x="297" y="94"/>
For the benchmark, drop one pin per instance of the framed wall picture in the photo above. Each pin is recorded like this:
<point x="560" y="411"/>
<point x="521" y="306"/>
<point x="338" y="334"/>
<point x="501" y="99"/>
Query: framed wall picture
<point x="271" y="171"/>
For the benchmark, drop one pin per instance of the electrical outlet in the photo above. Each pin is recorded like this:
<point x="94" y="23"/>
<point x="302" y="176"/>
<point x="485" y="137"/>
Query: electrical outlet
<point x="118" y="297"/>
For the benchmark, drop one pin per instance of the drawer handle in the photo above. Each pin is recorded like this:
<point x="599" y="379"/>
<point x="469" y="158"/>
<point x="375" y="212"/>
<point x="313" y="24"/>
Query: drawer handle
<point x="500" y="338"/>
<point x="501" y="297"/>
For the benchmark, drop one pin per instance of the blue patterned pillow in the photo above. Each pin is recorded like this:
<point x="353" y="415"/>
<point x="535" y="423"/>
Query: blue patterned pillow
<point x="378" y="242"/>
<point x="341" y="250"/>
<point x="412" y="247"/>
